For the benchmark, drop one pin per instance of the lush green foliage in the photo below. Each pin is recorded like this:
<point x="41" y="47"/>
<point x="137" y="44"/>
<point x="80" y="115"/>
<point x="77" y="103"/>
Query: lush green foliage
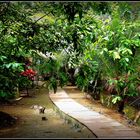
<point x="94" y="45"/>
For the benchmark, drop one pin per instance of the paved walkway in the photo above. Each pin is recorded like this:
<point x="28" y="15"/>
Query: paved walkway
<point x="100" y="125"/>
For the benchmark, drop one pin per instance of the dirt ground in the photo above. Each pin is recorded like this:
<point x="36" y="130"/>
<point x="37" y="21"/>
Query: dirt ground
<point x="95" y="105"/>
<point x="30" y="124"/>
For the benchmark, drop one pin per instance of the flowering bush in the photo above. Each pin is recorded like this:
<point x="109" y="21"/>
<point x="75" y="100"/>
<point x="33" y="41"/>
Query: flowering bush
<point x="29" y="73"/>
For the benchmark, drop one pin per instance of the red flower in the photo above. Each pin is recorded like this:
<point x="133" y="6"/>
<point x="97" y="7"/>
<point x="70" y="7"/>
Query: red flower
<point x="28" y="73"/>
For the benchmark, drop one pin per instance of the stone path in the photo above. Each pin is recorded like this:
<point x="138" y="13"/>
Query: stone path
<point x="99" y="124"/>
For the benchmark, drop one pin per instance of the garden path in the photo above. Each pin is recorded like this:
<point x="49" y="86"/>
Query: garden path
<point x="100" y="125"/>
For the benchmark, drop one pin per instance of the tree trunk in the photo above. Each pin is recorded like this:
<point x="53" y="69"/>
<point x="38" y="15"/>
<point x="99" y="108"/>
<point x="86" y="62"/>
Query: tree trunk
<point x="121" y="106"/>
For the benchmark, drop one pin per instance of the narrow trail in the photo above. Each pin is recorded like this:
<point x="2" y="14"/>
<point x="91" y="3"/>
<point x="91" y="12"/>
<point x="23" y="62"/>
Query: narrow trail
<point x="31" y="125"/>
<point x="100" y="125"/>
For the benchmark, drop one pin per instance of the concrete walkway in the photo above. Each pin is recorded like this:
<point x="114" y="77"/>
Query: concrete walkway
<point x="100" y="125"/>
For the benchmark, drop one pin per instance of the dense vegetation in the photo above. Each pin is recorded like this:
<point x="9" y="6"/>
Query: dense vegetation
<point x="94" y="45"/>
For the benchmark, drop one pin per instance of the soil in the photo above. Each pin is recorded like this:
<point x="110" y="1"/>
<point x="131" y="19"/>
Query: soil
<point x="95" y="105"/>
<point x="31" y="124"/>
<point x="6" y="120"/>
